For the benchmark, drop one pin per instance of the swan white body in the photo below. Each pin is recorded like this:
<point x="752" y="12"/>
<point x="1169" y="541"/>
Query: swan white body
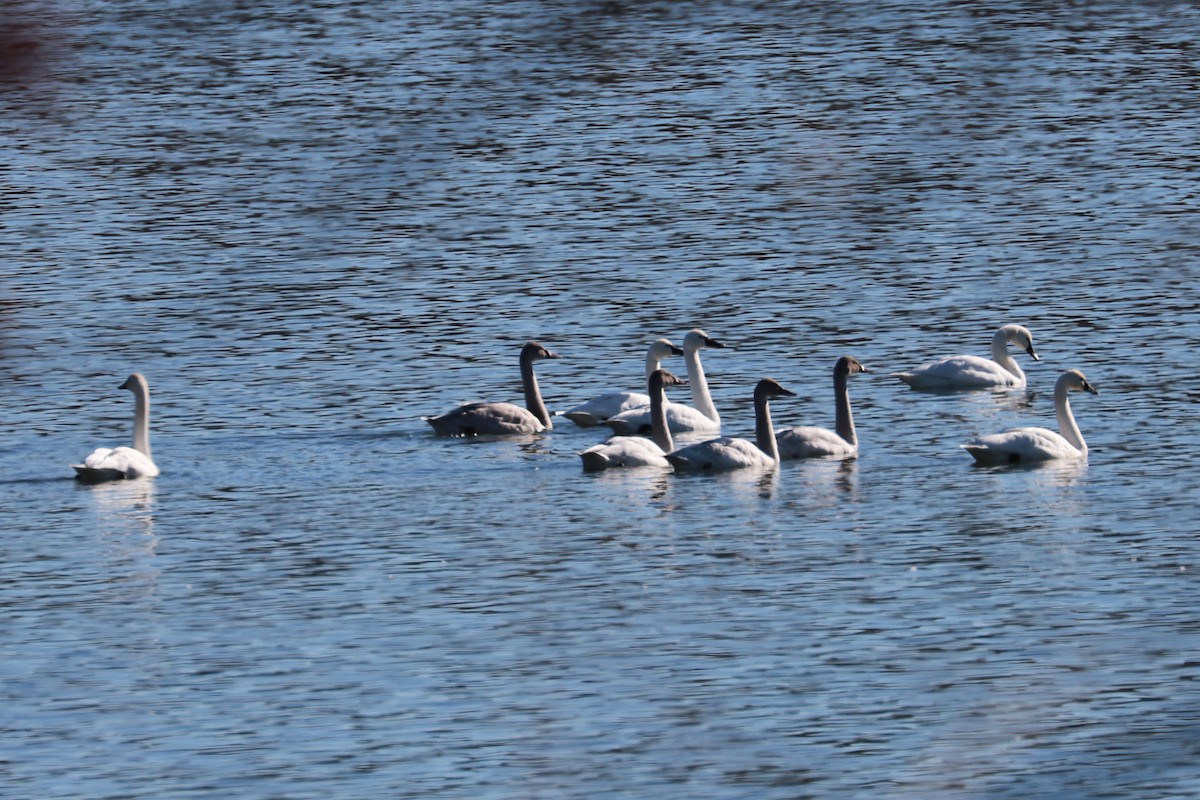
<point x="700" y="416"/>
<point x="120" y="463"/>
<point x="481" y="419"/>
<point x="974" y="372"/>
<point x="812" y="442"/>
<point x="1023" y="445"/>
<point x="635" y="451"/>
<point x="728" y="453"/>
<point x="609" y="404"/>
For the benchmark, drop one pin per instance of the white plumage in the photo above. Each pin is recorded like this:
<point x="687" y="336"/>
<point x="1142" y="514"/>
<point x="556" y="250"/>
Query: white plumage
<point x="120" y="463"/>
<point x="974" y="372"/>
<point x="635" y="451"/>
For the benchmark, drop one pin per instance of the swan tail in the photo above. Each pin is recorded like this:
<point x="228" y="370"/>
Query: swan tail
<point x="594" y="461"/>
<point x="989" y="455"/>
<point x="582" y="418"/>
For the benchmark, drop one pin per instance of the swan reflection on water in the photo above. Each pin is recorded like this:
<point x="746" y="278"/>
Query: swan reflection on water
<point x="124" y="528"/>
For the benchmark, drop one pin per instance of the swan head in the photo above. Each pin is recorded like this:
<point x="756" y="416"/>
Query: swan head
<point x="769" y="389"/>
<point x="662" y="348"/>
<point x="134" y="382"/>
<point x="662" y="377"/>
<point x="534" y="351"/>
<point x="849" y="365"/>
<point x="1074" y="381"/>
<point x="696" y="339"/>
<point x="1020" y="336"/>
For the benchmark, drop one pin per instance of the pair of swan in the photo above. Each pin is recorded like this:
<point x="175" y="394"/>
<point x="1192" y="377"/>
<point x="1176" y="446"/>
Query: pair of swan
<point x="725" y="453"/>
<point x="119" y="463"/>
<point x="602" y="407"/>
<point x="700" y="417"/>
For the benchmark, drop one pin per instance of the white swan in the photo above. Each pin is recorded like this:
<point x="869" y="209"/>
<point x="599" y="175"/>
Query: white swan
<point x="700" y="416"/>
<point x="635" y="451"/>
<point x="474" y="419"/>
<point x="808" y="442"/>
<point x="609" y="404"/>
<point x="975" y="372"/>
<point x="727" y="453"/>
<point x="1039" y="444"/>
<point x="118" y="463"/>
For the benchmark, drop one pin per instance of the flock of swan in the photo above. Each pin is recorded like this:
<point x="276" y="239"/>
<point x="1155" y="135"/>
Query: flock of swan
<point x="643" y="424"/>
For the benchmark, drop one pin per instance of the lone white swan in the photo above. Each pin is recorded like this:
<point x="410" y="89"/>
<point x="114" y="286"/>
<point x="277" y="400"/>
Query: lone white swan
<point x="1023" y="445"/>
<point x="811" y="442"/>
<point x="727" y="453"/>
<point x="479" y="419"/>
<point x="609" y="404"/>
<point x="700" y="416"/>
<point x="635" y="451"/>
<point x="119" y="463"/>
<point x="975" y="372"/>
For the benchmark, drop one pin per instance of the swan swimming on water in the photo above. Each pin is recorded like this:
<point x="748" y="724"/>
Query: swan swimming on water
<point x="475" y="419"/>
<point x="1023" y="445"/>
<point x="975" y="372"/>
<point x="609" y="404"/>
<point x="726" y="453"/>
<point x="700" y="416"/>
<point x="119" y="463"/>
<point x="809" y="442"/>
<point x="635" y="451"/>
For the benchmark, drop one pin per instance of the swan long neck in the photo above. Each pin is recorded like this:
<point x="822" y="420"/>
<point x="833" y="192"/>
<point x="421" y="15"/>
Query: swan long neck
<point x="1002" y="357"/>
<point x="660" y="432"/>
<point x="141" y="419"/>
<point x="533" y="397"/>
<point x="844" y="424"/>
<point x="653" y="362"/>
<point x="764" y="431"/>
<point x="1066" y="420"/>
<point x="701" y="399"/>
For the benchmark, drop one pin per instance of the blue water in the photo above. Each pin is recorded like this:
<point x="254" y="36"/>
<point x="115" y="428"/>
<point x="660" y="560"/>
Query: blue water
<point x="310" y="225"/>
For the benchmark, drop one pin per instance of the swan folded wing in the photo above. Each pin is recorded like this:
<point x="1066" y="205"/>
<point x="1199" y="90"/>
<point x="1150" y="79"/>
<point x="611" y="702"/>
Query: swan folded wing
<point x="115" y="463"/>
<point x="812" y="442"/>
<point x="623" y="451"/>
<point x="480" y="419"/>
<point x="1021" y="444"/>
<point x="719" y="454"/>
<point x="959" y="372"/>
<point x="680" y="419"/>
<point x="609" y="404"/>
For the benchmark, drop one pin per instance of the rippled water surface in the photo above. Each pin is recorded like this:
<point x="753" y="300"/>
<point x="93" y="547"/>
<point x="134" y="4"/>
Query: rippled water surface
<point x="309" y="224"/>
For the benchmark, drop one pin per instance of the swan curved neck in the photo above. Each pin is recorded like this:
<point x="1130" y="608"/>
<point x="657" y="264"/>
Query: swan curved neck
<point x="141" y="420"/>
<point x="653" y="362"/>
<point x="764" y="431"/>
<point x="1002" y="357"/>
<point x="701" y="399"/>
<point x="1066" y="420"/>
<point x="660" y="432"/>
<point x="533" y="396"/>
<point x="844" y="424"/>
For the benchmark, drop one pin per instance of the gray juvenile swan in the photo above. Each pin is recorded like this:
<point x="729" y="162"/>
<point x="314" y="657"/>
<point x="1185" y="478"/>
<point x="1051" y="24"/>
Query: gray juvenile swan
<point x="599" y="408"/>
<point x="975" y="372"/>
<point x="1023" y="445"/>
<point x="635" y="451"/>
<point x="119" y="463"/>
<point x="476" y="419"/>
<point x="726" y="453"/>
<point x="700" y="416"/>
<point x="809" y="442"/>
